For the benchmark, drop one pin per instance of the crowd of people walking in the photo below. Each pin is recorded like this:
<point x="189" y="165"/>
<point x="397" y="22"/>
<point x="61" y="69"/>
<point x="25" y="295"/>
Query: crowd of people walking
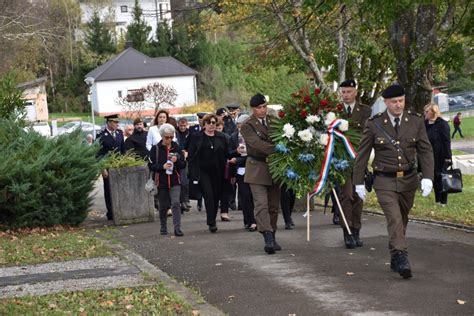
<point x="223" y="162"/>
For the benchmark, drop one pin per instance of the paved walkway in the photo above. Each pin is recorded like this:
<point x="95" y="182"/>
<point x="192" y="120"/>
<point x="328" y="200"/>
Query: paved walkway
<point x="464" y="145"/>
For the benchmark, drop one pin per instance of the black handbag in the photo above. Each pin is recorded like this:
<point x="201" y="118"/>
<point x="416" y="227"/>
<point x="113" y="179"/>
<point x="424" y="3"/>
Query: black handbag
<point x="451" y="181"/>
<point x="369" y="180"/>
<point x="195" y="190"/>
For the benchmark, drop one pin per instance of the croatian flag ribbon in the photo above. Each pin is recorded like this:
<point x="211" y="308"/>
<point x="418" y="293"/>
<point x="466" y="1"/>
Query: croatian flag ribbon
<point x="329" y="152"/>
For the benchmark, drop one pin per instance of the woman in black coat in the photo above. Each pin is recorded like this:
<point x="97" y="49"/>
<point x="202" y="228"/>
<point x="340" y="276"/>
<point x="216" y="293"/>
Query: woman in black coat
<point x="438" y="133"/>
<point x="167" y="162"/>
<point x="207" y="157"/>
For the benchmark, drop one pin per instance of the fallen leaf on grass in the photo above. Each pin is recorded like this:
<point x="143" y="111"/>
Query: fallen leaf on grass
<point x="349" y="273"/>
<point x="52" y="305"/>
<point x="195" y="312"/>
<point x="81" y="310"/>
<point x="461" y="302"/>
<point x="129" y="306"/>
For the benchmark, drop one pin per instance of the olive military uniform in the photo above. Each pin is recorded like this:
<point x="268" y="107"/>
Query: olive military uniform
<point x="350" y="202"/>
<point x="396" y="179"/>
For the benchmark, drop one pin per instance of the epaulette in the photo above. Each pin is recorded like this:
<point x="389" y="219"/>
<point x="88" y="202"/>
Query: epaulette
<point x="414" y="113"/>
<point x="364" y="105"/>
<point x="375" y="116"/>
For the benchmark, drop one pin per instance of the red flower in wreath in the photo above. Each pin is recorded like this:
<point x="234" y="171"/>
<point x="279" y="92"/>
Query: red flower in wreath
<point x="303" y="114"/>
<point x="317" y="91"/>
<point x="307" y="99"/>
<point x="340" y="107"/>
<point x="281" y="114"/>
<point x="323" y="103"/>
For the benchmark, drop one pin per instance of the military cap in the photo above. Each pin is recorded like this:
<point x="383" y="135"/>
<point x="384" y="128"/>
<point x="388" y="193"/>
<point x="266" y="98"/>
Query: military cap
<point x="257" y="100"/>
<point x="201" y="114"/>
<point x="350" y="83"/>
<point x="137" y="121"/>
<point x="112" y="117"/>
<point x="393" y="91"/>
<point x="221" y="111"/>
<point x="233" y="106"/>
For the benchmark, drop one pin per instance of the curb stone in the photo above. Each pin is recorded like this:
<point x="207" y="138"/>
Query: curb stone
<point x="146" y="267"/>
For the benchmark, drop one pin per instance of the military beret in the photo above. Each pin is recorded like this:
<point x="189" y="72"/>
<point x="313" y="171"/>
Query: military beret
<point x="137" y="121"/>
<point x="112" y="117"/>
<point x="221" y="111"/>
<point x="350" y="83"/>
<point x="393" y="91"/>
<point x="257" y="100"/>
<point x="201" y="114"/>
<point x="233" y="106"/>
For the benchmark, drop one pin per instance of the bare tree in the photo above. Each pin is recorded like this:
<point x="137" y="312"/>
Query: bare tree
<point x="160" y="95"/>
<point x="132" y="105"/>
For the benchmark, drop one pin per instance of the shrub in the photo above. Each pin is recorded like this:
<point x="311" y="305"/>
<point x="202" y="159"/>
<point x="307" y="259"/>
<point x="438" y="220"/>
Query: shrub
<point x="44" y="181"/>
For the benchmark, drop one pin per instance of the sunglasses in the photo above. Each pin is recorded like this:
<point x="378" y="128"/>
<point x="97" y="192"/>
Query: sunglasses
<point x="211" y="122"/>
<point x="168" y="137"/>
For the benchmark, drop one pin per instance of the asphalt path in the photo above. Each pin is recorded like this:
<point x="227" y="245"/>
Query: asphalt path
<point x="464" y="145"/>
<point x="320" y="277"/>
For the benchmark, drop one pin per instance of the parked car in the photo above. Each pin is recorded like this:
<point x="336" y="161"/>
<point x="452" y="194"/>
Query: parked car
<point x="86" y="127"/>
<point x="42" y="128"/>
<point x="192" y="118"/>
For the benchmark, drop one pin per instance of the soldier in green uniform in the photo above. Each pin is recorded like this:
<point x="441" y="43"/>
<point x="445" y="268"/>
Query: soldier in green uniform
<point x="398" y="137"/>
<point x="265" y="192"/>
<point x="357" y="115"/>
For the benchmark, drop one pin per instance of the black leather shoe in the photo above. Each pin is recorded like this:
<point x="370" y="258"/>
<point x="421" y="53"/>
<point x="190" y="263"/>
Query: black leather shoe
<point x="404" y="268"/>
<point x="335" y="219"/>
<point x="288" y="226"/>
<point x="356" y="232"/>
<point x="246" y="226"/>
<point x="178" y="233"/>
<point x="252" y="228"/>
<point x="213" y="228"/>
<point x="291" y="222"/>
<point x="393" y="264"/>
<point x="269" y="242"/>
<point x="163" y="230"/>
<point x="275" y="244"/>
<point x="110" y="217"/>
<point x="349" y="240"/>
<point x="232" y="206"/>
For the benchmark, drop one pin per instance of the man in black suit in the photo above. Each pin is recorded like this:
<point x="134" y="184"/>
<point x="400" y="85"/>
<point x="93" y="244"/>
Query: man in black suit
<point x="137" y="141"/>
<point x="229" y="120"/>
<point x="111" y="140"/>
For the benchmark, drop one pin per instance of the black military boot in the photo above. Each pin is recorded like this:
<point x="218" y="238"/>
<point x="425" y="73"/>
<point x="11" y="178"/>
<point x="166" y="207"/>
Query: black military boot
<point x="393" y="264"/>
<point x="349" y="240"/>
<point x="401" y="261"/>
<point x="269" y="242"/>
<point x="277" y="246"/>
<point x="355" y="233"/>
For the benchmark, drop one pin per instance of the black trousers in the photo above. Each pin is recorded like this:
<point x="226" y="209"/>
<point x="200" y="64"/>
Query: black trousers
<point x="287" y="203"/>
<point x="226" y="196"/>
<point x="245" y="195"/>
<point x="108" y="199"/>
<point x="211" y="188"/>
<point x="439" y="197"/>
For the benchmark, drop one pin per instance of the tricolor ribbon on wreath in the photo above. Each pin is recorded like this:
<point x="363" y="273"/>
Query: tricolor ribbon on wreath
<point x="329" y="152"/>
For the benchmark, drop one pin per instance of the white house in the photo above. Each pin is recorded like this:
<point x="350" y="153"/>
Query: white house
<point x="120" y="13"/>
<point x="131" y="70"/>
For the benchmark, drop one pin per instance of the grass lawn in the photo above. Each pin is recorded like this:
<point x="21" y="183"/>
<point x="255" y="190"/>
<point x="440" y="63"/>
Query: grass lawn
<point x="467" y="126"/>
<point x="460" y="208"/>
<point x="65" y="117"/>
<point x="40" y="245"/>
<point x="151" y="300"/>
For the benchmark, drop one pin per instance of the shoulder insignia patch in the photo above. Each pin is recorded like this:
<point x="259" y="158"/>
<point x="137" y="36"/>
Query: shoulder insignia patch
<point x="375" y="116"/>
<point x="414" y="113"/>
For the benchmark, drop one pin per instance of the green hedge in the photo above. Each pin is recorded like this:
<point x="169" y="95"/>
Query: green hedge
<point x="44" y="181"/>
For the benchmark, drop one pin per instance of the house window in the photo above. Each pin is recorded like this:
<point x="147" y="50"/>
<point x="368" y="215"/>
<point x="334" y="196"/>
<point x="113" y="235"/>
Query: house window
<point x="119" y="93"/>
<point x="135" y="95"/>
<point x="123" y="9"/>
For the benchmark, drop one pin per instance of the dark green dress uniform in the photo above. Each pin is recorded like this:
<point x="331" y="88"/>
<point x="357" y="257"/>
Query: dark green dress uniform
<point x="396" y="179"/>
<point x="350" y="202"/>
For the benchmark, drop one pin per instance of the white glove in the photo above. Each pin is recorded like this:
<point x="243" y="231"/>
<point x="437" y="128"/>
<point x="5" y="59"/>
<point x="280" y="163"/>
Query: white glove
<point x="360" y="190"/>
<point x="426" y="186"/>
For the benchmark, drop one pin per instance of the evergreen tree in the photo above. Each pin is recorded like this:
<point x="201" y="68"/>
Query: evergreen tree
<point x="162" y="45"/>
<point x="11" y="101"/>
<point x="98" y="36"/>
<point x="138" y="31"/>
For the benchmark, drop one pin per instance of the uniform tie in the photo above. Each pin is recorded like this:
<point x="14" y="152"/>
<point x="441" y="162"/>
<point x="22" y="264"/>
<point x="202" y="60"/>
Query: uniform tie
<point x="263" y="123"/>
<point x="397" y="121"/>
<point x="113" y="135"/>
<point x="349" y="111"/>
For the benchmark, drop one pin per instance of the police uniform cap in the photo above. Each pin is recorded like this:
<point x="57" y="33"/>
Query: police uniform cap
<point x="221" y="111"/>
<point x="233" y="106"/>
<point x="393" y="91"/>
<point x="112" y="117"/>
<point x="350" y="83"/>
<point x="201" y="114"/>
<point x="137" y="121"/>
<point x="257" y="100"/>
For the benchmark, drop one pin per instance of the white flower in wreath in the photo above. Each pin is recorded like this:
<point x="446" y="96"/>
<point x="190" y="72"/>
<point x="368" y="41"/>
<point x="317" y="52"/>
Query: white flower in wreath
<point x="305" y="135"/>
<point x="323" y="139"/>
<point x="288" y="130"/>
<point x="330" y="117"/>
<point x="313" y="119"/>
<point x="344" y="126"/>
